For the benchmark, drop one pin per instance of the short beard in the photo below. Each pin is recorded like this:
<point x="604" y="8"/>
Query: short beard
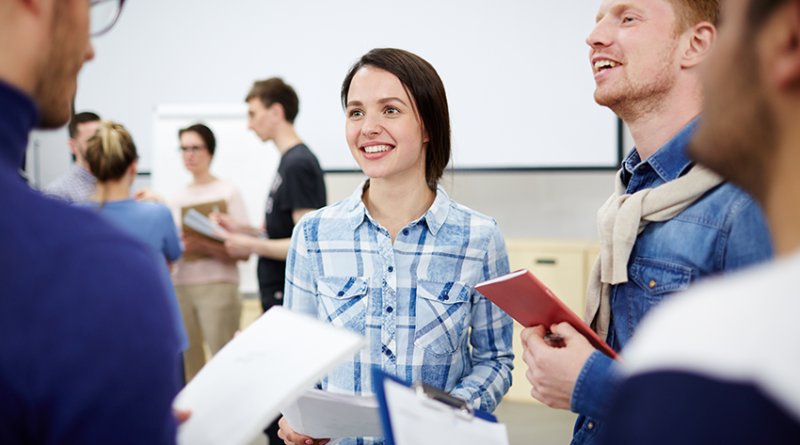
<point x="54" y="89"/>
<point x="635" y="100"/>
<point x="737" y="137"/>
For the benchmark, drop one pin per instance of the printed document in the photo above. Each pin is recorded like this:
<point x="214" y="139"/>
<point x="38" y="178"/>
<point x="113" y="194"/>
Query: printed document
<point x="269" y="365"/>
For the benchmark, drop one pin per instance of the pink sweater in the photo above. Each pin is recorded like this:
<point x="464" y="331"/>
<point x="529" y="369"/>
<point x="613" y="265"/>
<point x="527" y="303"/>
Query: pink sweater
<point x="206" y="270"/>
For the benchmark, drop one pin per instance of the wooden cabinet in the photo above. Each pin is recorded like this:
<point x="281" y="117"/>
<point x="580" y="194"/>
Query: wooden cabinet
<point x="564" y="267"/>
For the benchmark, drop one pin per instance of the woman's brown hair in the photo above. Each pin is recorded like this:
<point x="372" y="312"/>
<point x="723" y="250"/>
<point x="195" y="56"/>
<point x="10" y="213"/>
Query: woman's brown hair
<point x="422" y="83"/>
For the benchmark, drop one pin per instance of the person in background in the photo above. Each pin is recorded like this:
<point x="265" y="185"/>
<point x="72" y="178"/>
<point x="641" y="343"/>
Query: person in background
<point x="77" y="185"/>
<point x="398" y="260"/>
<point x="297" y="189"/>
<point x="111" y="157"/>
<point x="669" y="223"/>
<point x="206" y="278"/>
<point x="728" y="373"/>
<point x="88" y="350"/>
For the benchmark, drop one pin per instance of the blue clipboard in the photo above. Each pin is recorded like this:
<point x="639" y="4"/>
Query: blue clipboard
<point x="424" y="392"/>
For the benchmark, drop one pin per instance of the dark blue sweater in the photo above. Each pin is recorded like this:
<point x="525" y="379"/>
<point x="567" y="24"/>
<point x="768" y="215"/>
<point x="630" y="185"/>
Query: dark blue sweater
<point x="87" y="344"/>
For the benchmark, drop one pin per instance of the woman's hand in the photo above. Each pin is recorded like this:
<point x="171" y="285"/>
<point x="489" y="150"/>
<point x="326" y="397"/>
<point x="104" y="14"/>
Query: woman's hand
<point x="147" y="194"/>
<point x="290" y="437"/>
<point x="195" y="244"/>
<point x="228" y="223"/>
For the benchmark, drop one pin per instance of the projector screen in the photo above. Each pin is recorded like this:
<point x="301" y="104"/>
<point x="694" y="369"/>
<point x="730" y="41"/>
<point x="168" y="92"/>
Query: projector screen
<point x="517" y="72"/>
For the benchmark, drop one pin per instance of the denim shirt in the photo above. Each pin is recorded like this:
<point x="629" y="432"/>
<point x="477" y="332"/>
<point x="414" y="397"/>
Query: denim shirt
<point x="720" y="232"/>
<point x="414" y="299"/>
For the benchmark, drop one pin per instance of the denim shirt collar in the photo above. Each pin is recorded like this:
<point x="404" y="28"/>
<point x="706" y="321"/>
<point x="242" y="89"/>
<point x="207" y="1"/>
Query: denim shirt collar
<point x="669" y="162"/>
<point x="434" y="218"/>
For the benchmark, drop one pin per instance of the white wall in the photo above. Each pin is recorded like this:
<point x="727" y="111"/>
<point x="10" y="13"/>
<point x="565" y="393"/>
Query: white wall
<point x="517" y="71"/>
<point x="527" y="204"/>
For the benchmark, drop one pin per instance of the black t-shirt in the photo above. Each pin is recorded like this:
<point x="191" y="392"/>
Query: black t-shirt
<point x="297" y="185"/>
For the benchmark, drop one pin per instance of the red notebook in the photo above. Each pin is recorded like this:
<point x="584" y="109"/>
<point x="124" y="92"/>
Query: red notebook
<point x="531" y="303"/>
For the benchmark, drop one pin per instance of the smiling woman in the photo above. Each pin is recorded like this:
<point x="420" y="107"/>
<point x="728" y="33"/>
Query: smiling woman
<point x="398" y="260"/>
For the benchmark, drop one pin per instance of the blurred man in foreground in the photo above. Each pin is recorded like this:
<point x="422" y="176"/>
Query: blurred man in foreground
<point x="88" y="344"/>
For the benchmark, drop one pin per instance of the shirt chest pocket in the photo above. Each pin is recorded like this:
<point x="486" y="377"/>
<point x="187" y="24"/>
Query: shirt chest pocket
<point x="343" y="301"/>
<point x="442" y="315"/>
<point x="655" y="279"/>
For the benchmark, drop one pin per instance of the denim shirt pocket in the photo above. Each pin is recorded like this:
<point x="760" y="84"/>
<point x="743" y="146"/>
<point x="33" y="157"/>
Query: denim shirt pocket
<point x="655" y="279"/>
<point x="342" y="301"/>
<point x="441" y="315"/>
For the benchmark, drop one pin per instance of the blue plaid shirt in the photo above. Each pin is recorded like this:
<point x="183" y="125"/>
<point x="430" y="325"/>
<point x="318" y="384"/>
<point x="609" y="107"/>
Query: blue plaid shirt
<point x="414" y="300"/>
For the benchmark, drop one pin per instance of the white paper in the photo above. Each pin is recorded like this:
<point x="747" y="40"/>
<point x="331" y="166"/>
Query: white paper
<point x="322" y="415"/>
<point x="423" y="422"/>
<point x="202" y="224"/>
<point x="271" y="363"/>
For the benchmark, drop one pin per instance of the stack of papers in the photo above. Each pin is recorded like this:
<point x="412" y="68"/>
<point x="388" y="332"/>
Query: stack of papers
<point x="323" y="415"/>
<point x="269" y="365"/>
<point x="202" y="224"/>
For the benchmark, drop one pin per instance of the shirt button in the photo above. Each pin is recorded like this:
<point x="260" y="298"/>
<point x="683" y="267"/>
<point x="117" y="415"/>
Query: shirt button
<point x="391" y="269"/>
<point x="388" y="352"/>
<point x="590" y="425"/>
<point x="389" y="309"/>
<point x="446" y="297"/>
<point x="341" y="294"/>
<point x="652" y="284"/>
<point x="405" y="231"/>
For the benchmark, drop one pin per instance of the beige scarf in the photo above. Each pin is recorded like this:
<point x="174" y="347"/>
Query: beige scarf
<point x="621" y="219"/>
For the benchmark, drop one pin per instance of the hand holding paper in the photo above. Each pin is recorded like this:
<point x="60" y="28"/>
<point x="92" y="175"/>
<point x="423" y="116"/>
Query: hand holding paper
<point x="554" y="371"/>
<point x="243" y="387"/>
<point x="202" y="224"/>
<point x="323" y="414"/>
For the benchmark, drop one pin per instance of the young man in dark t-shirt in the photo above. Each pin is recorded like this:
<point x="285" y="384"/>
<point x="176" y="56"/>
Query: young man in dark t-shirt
<point x="298" y="187"/>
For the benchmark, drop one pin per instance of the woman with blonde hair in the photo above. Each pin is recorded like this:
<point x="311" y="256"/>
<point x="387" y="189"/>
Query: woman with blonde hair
<point x="111" y="156"/>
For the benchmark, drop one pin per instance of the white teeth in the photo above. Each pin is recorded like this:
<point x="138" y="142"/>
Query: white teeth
<point x="377" y="148"/>
<point x="605" y="63"/>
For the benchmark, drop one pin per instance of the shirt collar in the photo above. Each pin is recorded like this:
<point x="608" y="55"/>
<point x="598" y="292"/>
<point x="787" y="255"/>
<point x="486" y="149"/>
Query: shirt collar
<point x="83" y="173"/>
<point x="18" y="116"/>
<point x="434" y="218"/>
<point x="670" y="161"/>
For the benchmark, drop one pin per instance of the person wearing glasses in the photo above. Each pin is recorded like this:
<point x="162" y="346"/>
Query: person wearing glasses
<point x="88" y="341"/>
<point x="206" y="278"/>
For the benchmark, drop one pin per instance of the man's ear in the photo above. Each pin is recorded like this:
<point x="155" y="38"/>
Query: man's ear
<point x="779" y="42"/>
<point x="701" y="38"/>
<point x="278" y="111"/>
<point x="73" y="147"/>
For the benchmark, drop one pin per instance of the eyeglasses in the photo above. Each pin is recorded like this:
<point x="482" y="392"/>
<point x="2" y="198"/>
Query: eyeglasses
<point x="193" y="148"/>
<point x="103" y="14"/>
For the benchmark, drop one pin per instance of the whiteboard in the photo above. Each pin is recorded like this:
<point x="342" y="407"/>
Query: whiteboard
<point x="517" y="72"/>
<point x="240" y="158"/>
